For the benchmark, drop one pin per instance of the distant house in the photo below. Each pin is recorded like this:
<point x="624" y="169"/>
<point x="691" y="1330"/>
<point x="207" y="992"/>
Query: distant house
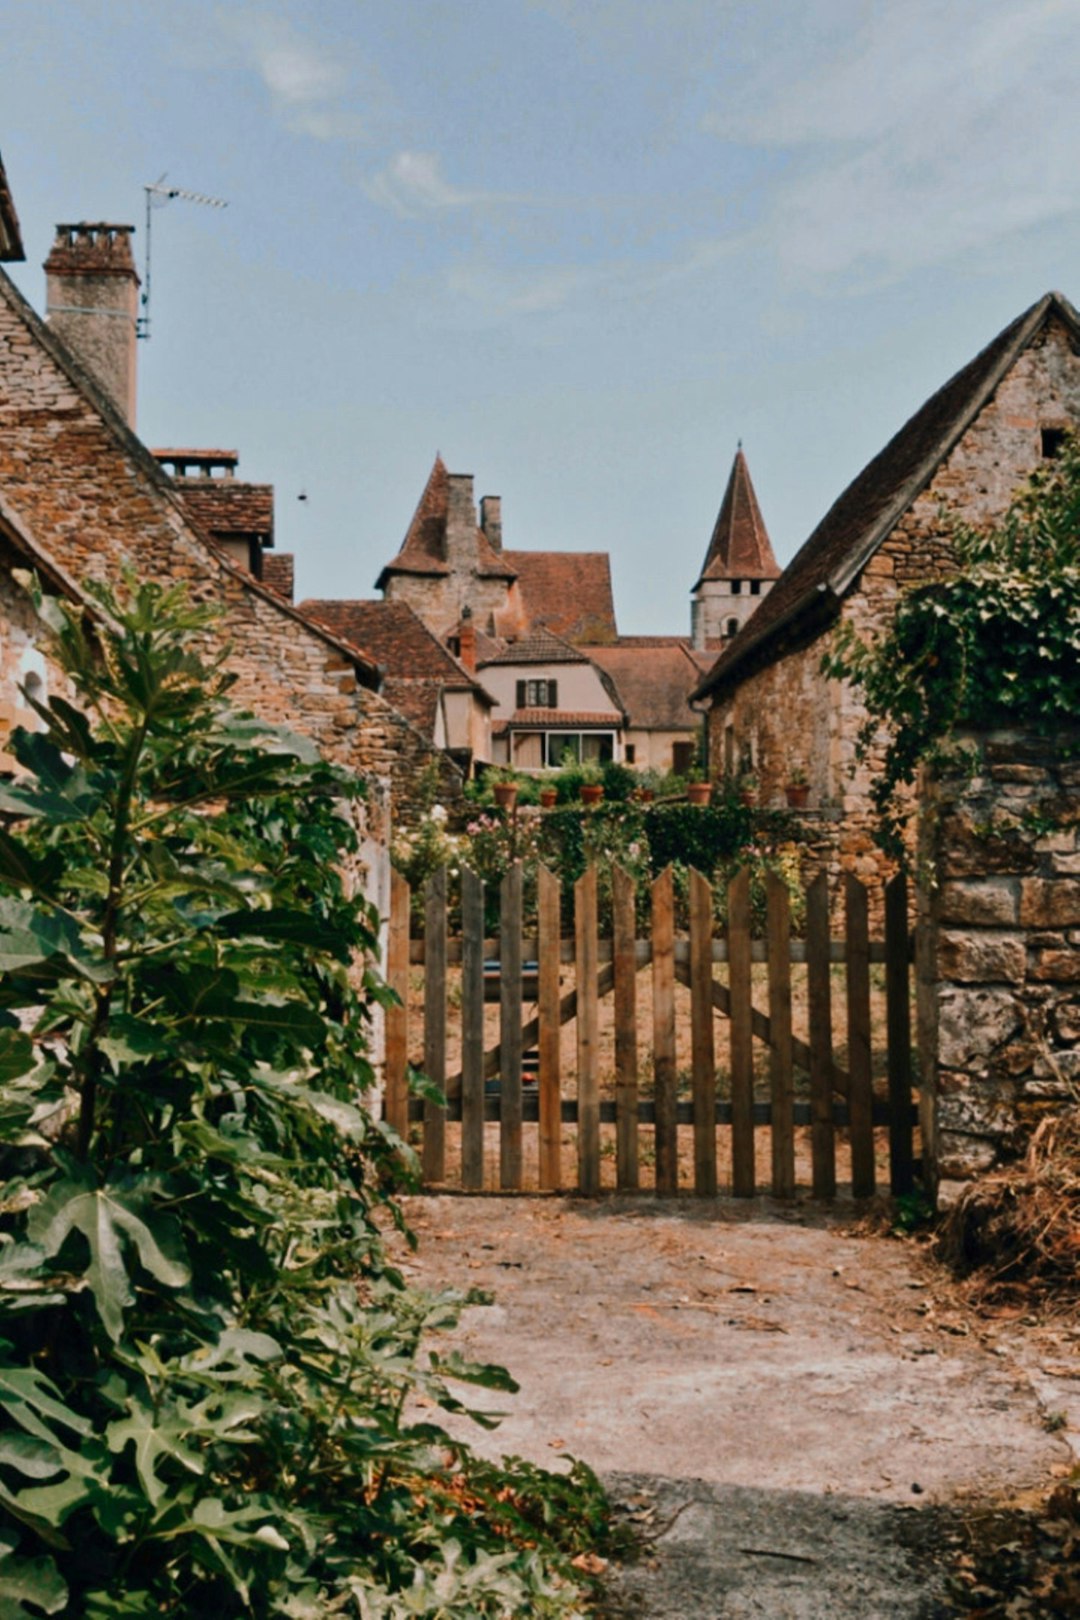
<point x="653" y="677"/>
<point x="552" y="702"/>
<point x="962" y="456"/>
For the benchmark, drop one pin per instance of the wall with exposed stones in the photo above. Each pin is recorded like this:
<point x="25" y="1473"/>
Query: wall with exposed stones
<point x="998" y="961"/>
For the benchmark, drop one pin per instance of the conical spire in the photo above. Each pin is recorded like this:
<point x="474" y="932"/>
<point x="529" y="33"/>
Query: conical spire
<point x="740" y="546"/>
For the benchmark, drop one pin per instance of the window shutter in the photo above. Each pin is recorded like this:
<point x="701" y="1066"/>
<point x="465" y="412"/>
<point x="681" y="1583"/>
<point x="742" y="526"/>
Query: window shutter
<point x="553" y="694"/>
<point x="521" y="694"/>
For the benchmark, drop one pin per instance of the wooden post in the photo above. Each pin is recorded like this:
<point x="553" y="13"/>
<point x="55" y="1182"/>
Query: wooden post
<point x="510" y="1166"/>
<point x="585" y="960"/>
<point x="433" y="1155"/>
<point x="548" y="945"/>
<point x="396" y="1105"/>
<point x="472" y="1031"/>
<point x="702" y="1042"/>
<point x="860" y="1074"/>
<point x="781" y="1066"/>
<point x="742" y="1044"/>
<point x="624" y="957"/>
<point x="664" y="1059"/>
<point x="898" y="1020"/>
<point x="819" y="993"/>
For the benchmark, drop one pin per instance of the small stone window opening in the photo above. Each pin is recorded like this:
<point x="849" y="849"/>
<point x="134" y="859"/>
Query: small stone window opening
<point x="755" y="587"/>
<point x="736" y="587"/>
<point x="1053" y="442"/>
<point x="732" y="627"/>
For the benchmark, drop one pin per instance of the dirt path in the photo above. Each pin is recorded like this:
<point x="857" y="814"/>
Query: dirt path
<point x="772" y="1396"/>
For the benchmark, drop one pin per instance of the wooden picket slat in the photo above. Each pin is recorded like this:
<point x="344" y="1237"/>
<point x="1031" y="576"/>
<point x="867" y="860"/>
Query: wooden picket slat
<point x="819" y="996"/>
<point x="588" y="1020"/>
<point x="396" y="1106"/>
<point x="624" y="960"/>
<point x="742" y="1044"/>
<point x="433" y="1153"/>
<point x="781" y="1065"/>
<point x="510" y="1150"/>
<point x="549" y="925"/>
<point x="664" y="1056"/>
<point x="898" y="1023"/>
<point x="702" y="1039"/>
<point x="861" y="1082"/>
<point x="472" y="1031"/>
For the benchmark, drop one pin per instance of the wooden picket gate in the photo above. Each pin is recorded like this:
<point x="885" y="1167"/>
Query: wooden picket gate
<point x="486" y="1093"/>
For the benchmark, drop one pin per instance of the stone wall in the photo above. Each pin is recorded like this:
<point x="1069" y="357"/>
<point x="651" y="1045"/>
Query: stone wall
<point x="998" y="960"/>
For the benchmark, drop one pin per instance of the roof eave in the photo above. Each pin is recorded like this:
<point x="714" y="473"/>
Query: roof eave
<point x="821" y="599"/>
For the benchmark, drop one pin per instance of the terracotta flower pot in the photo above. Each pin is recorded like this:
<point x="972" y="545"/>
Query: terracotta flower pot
<point x="548" y="798"/>
<point x="699" y="792"/>
<point x="644" y="795"/>
<point x="505" y="794"/>
<point x="591" y="792"/>
<point x="798" y="794"/>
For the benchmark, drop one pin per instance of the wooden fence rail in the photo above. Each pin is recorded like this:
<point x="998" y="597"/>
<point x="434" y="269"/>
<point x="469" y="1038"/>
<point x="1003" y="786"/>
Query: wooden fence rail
<point x="487" y="1086"/>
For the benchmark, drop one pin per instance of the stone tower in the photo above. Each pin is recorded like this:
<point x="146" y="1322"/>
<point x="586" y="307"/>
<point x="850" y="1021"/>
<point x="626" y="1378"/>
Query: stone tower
<point x="739" y="567"/>
<point x="91" y="303"/>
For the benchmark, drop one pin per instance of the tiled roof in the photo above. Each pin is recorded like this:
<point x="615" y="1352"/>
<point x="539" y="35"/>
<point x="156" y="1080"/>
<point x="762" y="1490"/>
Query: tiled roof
<point x="740" y="546"/>
<point x="562" y="719"/>
<point x="568" y="591"/>
<point x="653" y="682"/>
<point x="277" y="572"/>
<point x="11" y="246"/>
<point x="227" y="507"/>
<point x="392" y="634"/>
<point x="857" y="524"/>
<point x="538" y="646"/>
<point x="423" y="551"/>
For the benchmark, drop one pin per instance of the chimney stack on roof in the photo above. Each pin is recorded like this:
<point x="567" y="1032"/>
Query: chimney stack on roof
<point x="91" y="303"/>
<point x="467" y="640"/>
<point x="491" y="520"/>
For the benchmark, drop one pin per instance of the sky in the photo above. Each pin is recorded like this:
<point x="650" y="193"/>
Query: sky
<point x="580" y="248"/>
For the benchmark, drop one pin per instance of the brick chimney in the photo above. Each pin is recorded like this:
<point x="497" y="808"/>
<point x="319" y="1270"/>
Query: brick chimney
<point x="91" y="303"/>
<point x="491" y="520"/>
<point x="467" y="640"/>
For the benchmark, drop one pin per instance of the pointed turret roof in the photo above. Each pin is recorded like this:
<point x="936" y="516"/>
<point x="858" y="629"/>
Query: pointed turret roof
<point x="423" y="550"/>
<point x="740" y="547"/>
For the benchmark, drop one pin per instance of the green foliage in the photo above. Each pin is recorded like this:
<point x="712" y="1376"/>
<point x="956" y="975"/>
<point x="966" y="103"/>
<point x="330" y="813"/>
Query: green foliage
<point x="997" y="645"/>
<point x="205" y="1356"/>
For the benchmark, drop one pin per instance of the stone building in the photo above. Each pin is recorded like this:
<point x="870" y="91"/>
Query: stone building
<point x="961" y="457"/>
<point x="739" y="567"/>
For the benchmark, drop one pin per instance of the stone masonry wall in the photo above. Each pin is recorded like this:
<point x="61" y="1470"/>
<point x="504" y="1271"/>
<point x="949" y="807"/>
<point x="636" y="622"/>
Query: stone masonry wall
<point x="998" y="962"/>
<point x="791" y="713"/>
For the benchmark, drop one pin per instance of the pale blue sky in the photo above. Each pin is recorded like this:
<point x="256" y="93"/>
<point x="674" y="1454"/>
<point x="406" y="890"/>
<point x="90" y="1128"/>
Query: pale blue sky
<point x="579" y="246"/>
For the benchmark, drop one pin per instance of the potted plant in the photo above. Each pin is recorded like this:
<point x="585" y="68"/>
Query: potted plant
<point x="504" y="788"/>
<point x="797" y="788"/>
<point x="549" y="797"/>
<point x="592" y="788"/>
<point x="748" y="788"/>
<point x="698" y="791"/>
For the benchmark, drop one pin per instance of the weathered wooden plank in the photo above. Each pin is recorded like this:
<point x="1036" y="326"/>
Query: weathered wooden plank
<point x="472" y="1031"/>
<point x="742" y="1046"/>
<point x="684" y="1112"/>
<point x="433" y="1153"/>
<point x="860" y="1072"/>
<point x="898" y="1024"/>
<point x="819" y="995"/>
<point x="530" y="1031"/>
<point x="626" y="1077"/>
<point x="510" y="908"/>
<point x="664" y="1054"/>
<point x="396" y="1106"/>
<point x="588" y="1021"/>
<point x="702" y="1038"/>
<point x="530" y="949"/>
<point x="781" y="1055"/>
<point x="548" y="1020"/>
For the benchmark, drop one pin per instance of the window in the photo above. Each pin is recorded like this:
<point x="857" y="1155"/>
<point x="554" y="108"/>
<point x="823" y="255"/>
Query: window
<point x="543" y="694"/>
<point x="682" y="758"/>
<point x="631" y="753"/>
<point x="736" y="587"/>
<point x="1053" y="442"/>
<point x="562" y="747"/>
<point x="732" y="627"/>
<point x="755" y="587"/>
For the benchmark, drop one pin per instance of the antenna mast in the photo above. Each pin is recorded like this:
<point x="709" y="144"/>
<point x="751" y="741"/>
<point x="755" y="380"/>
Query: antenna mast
<point x="157" y="196"/>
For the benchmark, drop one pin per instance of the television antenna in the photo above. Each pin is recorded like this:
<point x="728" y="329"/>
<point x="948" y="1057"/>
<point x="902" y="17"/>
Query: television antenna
<point x="157" y="196"/>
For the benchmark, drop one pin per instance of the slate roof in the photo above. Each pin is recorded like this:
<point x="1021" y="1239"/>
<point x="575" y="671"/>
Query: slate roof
<point x="855" y="526"/>
<point x="11" y="245"/>
<point x="537" y="646"/>
<point x="740" y="547"/>
<point x="399" y="642"/>
<point x="568" y="591"/>
<point x="423" y="550"/>
<point x="653" y="681"/>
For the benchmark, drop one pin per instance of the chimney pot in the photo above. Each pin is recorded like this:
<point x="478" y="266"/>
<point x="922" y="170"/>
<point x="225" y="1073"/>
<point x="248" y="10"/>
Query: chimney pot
<point x="91" y="303"/>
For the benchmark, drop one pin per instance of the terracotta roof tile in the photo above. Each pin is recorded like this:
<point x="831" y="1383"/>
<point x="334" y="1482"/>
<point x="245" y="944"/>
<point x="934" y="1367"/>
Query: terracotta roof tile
<point x="538" y="646"/>
<point x="653" y="682"/>
<point x="562" y="719"/>
<point x="277" y="572"/>
<point x="392" y="634"/>
<point x="568" y="591"/>
<point x="862" y="518"/>
<point x="227" y="507"/>
<point x="740" y="546"/>
<point x="423" y="550"/>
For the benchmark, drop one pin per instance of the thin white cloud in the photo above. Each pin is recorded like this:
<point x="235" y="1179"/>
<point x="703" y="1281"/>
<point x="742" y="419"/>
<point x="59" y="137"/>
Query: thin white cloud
<point x="920" y="132"/>
<point x="412" y="185"/>
<point x="317" y="88"/>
